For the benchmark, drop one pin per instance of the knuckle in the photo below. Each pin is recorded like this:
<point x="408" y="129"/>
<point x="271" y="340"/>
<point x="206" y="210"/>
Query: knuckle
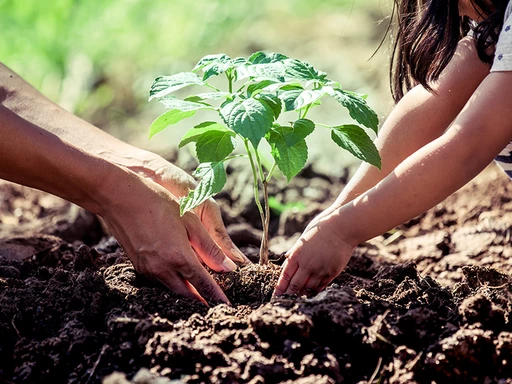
<point x="214" y="251"/>
<point x="294" y="288"/>
<point x="184" y="268"/>
<point x="205" y="289"/>
<point x="222" y="235"/>
<point x="286" y="276"/>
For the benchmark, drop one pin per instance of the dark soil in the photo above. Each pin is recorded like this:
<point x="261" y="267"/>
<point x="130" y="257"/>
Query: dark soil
<point x="430" y="302"/>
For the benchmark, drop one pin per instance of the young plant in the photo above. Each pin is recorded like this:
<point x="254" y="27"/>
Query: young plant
<point x="260" y="92"/>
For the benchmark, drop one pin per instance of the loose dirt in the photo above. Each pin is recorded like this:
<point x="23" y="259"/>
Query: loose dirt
<point x="429" y="302"/>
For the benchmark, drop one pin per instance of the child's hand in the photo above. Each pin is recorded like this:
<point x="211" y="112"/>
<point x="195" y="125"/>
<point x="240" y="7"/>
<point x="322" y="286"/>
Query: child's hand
<point x="315" y="260"/>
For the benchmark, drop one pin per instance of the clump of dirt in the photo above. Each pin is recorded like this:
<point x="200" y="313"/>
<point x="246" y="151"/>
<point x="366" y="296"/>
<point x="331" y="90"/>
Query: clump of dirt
<point x="250" y="284"/>
<point x="433" y="307"/>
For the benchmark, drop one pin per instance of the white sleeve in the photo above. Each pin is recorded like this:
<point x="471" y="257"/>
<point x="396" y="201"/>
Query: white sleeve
<point x="503" y="53"/>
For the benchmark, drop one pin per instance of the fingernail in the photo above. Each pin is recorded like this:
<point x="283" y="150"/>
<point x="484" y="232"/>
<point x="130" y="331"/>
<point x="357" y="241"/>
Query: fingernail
<point x="239" y="256"/>
<point x="228" y="265"/>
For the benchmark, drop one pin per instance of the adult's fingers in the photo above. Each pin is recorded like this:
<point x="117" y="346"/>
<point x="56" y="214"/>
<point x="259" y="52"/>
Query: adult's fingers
<point x="211" y="218"/>
<point x="205" y="247"/>
<point x="289" y="269"/>
<point x="205" y="285"/>
<point x="179" y="285"/>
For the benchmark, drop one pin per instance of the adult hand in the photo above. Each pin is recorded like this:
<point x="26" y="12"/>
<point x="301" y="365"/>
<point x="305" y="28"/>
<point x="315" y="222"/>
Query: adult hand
<point x="317" y="257"/>
<point x="178" y="182"/>
<point x="144" y="217"/>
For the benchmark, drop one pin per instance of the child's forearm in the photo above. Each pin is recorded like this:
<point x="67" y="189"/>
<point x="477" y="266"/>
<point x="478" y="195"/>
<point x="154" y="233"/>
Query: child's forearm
<point x="420" y="117"/>
<point x="404" y="132"/>
<point x="438" y="169"/>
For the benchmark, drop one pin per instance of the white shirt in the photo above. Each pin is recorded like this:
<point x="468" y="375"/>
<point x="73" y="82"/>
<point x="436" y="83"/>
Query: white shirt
<point x="503" y="62"/>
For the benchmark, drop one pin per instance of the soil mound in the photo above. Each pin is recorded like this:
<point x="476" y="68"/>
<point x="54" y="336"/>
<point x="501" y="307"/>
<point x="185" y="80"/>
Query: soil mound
<point x="430" y="302"/>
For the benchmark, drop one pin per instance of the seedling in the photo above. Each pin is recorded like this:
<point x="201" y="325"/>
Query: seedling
<point x="267" y="97"/>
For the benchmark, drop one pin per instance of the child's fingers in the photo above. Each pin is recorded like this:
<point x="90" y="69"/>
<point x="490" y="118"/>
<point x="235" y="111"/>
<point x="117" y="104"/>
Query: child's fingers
<point x="289" y="269"/>
<point x="311" y="286"/>
<point x="297" y="282"/>
<point x="324" y="283"/>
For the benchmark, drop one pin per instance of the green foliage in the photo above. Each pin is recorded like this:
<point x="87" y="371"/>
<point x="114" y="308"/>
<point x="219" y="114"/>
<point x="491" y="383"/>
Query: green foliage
<point x="269" y="86"/>
<point x="212" y="179"/>
<point x="279" y="208"/>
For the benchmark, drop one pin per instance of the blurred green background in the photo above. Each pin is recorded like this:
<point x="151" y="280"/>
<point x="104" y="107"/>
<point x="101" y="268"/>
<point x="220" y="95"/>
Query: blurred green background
<point x="97" y="58"/>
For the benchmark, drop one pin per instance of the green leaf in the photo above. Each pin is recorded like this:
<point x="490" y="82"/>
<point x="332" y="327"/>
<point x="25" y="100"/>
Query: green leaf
<point x="208" y="96"/>
<point x="289" y="96"/>
<point x="213" y="65"/>
<point x="265" y="58"/>
<point x="213" y="179"/>
<point x="209" y="59"/>
<point x="165" y="85"/>
<point x="308" y="97"/>
<point x="279" y="208"/>
<point x="357" y="107"/>
<point x="195" y="133"/>
<point x="215" y="145"/>
<point x="290" y="160"/>
<point x="284" y="86"/>
<point x="250" y="118"/>
<point x="272" y="101"/>
<point x="173" y="103"/>
<point x="237" y="63"/>
<point x="298" y="98"/>
<point x="355" y="140"/>
<point x="272" y="71"/>
<point x="300" y="70"/>
<point x="301" y="129"/>
<point x="258" y="87"/>
<point x="168" y="118"/>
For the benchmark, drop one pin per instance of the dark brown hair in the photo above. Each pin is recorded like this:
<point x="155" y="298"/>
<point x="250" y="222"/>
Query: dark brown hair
<point x="426" y="36"/>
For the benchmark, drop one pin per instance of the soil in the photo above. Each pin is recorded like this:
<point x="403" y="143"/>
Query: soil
<point x="430" y="302"/>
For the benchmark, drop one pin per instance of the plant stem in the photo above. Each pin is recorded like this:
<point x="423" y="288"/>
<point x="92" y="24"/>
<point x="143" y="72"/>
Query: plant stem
<point x="230" y="83"/>
<point x="234" y="157"/>
<point x="306" y="111"/>
<point x="212" y="87"/>
<point x="266" y="217"/>
<point x="264" y="242"/>
<point x="266" y="224"/>
<point x="271" y="172"/>
<point x="260" y="168"/>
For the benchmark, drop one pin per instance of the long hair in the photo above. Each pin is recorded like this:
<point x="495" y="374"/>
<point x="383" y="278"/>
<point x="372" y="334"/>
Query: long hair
<point x="426" y="36"/>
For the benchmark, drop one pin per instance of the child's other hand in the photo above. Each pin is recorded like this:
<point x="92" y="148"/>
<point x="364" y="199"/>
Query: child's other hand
<point x="315" y="260"/>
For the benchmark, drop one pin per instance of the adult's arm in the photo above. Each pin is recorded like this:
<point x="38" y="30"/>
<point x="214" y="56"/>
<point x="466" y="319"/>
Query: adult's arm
<point x="25" y="101"/>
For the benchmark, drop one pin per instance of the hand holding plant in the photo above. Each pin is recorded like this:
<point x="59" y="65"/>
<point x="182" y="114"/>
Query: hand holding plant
<point x="260" y="91"/>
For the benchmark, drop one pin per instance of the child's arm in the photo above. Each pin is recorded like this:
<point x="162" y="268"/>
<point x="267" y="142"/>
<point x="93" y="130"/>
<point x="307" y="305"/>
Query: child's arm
<point x="422" y="180"/>
<point x="419" y="118"/>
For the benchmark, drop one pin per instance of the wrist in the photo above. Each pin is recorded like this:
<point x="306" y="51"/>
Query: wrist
<point x="343" y="228"/>
<point x="150" y="166"/>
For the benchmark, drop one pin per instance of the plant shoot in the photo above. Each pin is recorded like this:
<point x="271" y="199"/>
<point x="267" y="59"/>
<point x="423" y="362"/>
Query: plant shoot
<point x="267" y="96"/>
